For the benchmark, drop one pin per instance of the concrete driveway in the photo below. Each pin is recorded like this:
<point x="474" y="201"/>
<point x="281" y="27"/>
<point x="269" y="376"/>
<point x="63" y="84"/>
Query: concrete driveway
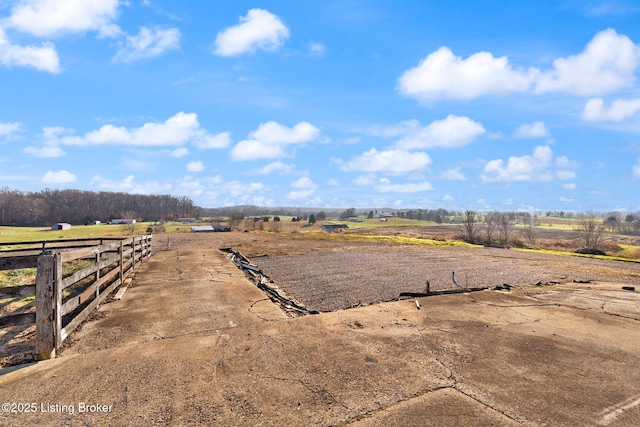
<point x="194" y="343"/>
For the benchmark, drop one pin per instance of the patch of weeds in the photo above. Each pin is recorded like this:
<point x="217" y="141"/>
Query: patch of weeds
<point x="372" y="238"/>
<point x="23" y="276"/>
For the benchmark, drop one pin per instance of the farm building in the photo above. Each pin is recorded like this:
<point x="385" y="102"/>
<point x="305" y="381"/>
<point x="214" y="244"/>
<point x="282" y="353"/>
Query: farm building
<point x="332" y="228"/>
<point x="123" y="221"/>
<point x="187" y="220"/>
<point x="209" y="228"/>
<point x="202" y="229"/>
<point x="61" y="226"/>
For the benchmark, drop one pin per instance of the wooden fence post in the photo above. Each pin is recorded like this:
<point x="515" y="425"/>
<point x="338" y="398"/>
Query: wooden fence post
<point x="57" y="298"/>
<point x="45" y="316"/>
<point x="98" y="272"/>
<point x="121" y="262"/>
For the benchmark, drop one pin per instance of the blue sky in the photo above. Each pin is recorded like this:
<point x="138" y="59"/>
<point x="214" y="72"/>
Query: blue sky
<point x="528" y="105"/>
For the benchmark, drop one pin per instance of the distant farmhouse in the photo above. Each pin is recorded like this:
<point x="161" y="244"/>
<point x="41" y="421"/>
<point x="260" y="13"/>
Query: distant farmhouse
<point x="333" y="228"/>
<point x="61" y="226"/>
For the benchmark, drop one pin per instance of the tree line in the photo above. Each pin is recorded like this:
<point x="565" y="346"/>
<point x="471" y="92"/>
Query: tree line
<point x="83" y="207"/>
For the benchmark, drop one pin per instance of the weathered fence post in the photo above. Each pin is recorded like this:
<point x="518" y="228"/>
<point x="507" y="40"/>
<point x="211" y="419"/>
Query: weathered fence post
<point x="57" y="298"/>
<point x="98" y="272"/>
<point x="45" y="315"/>
<point x="121" y="262"/>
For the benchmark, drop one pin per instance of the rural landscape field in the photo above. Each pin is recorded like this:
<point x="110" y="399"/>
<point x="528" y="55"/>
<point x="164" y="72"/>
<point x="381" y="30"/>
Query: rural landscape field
<point x="321" y="213"/>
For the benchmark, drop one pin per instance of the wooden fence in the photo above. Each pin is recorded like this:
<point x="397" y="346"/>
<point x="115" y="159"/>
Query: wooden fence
<point x="72" y="278"/>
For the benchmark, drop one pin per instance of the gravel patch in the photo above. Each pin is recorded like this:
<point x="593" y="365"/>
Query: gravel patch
<point x="365" y="275"/>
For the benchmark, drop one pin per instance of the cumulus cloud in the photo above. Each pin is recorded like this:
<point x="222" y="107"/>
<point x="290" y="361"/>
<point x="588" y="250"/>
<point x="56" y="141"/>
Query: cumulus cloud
<point x="259" y="29"/>
<point x="304" y="188"/>
<point x="453" y="131"/>
<point x="538" y="166"/>
<point x="179" y="152"/>
<point x="52" y="18"/>
<point x="608" y="63"/>
<point x="6" y="129"/>
<point x="636" y="169"/>
<point x="42" y="58"/>
<point x="569" y="186"/>
<point x="277" y="166"/>
<point x="129" y="185"/>
<point x="195" y="166"/>
<point x="442" y="75"/>
<point x="620" y="109"/>
<point x="60" y="177"/>
<point x="148" y="43"/>
<point x="391" y="162"/>
<point x="206" y="141"/>
<point x="176" y="130"/>
<point x="47" y="151"/>
<point x="270" y="140"/>
<point x="533" y="130"/>
<point x="454" y="175"/>
<point x="411" y="187"/>
<point x="317" y="50"/>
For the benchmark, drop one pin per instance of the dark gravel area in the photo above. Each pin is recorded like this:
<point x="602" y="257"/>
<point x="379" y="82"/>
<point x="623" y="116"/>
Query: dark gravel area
<point x="369" y="274"/>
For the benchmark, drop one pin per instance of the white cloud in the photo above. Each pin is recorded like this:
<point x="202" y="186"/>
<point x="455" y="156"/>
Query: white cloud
<point x="46" y="151"/>
<point x="404" y="188"/>
<point x="304" y="188"/>
<point x="236" y="188"/>
<point x="42" y="58"/>
<point x="333" y="182"/>
<point x="195" y="166"/>
<point x="565" y="199"/>
<point x="60" y="177"/>
<point x="176" y="130"/>
<point x="608" y="63"/>
<point x="278" y="166"/>
<point x="270" y="140"/>
<point x="442" y="75"/>
<point x="179" y="152"/>
<point x="52" y="18"/>
<point x="569" y="186"/>
<point x="149" y="43"/>
<point x="533" y="130"/>
<point x="391" y="161"/>
<point x="565" y="174"/>
<point x="454" y="175"/>
<point x="317" y="50"/>
<point x="206" y="141"/>
<point x="453" y="131"/>
<point x="367" y="180"/>
<point x="620" y="109"/>
<point x="260" y="29"/>
<point x="636" y="169"/>
<point x="6" y="129"/>
<point x="525" y="168"/>
<point x="129" y="185"/>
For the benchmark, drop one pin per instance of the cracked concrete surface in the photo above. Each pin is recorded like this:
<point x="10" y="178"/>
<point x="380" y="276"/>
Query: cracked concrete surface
<point x="194" y="343"/>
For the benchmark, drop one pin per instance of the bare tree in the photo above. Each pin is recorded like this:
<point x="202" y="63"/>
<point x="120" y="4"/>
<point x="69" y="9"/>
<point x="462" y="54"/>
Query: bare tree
<point x="529" y="234"/>
<point x="591" y="232"/>
<point x="504" y="228"/>
<point x="489" y="225"/>
<point x="469" y="224"/>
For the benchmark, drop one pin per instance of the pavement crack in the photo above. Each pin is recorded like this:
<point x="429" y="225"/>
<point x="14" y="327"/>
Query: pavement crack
<point x="487" y="405"/>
